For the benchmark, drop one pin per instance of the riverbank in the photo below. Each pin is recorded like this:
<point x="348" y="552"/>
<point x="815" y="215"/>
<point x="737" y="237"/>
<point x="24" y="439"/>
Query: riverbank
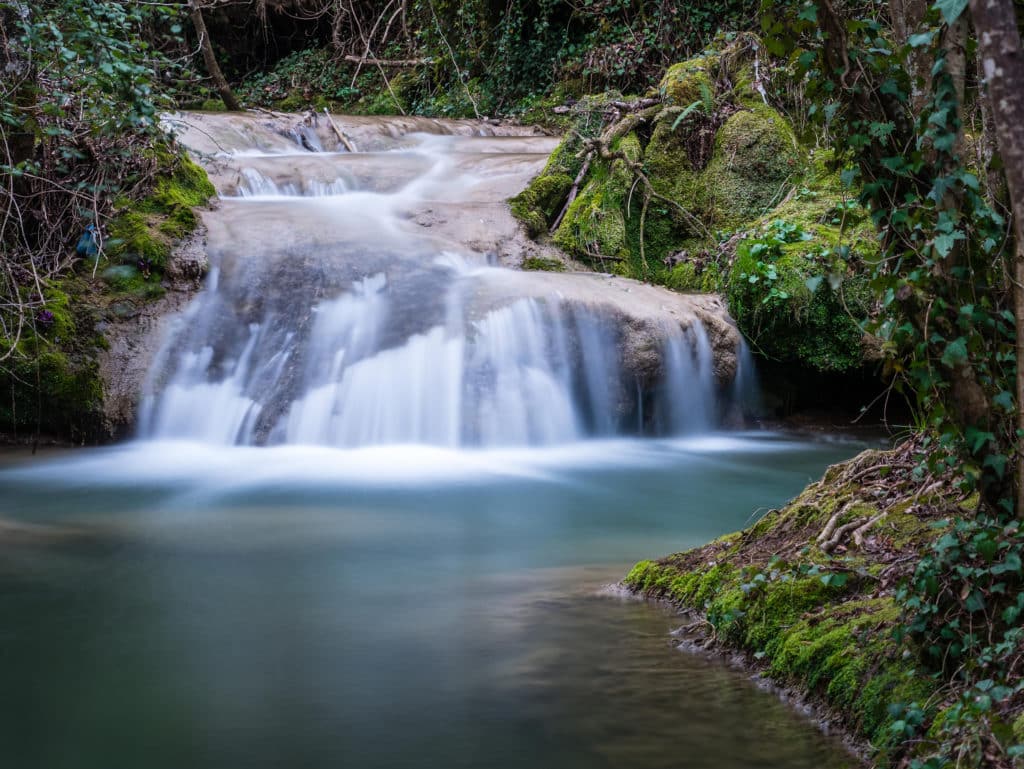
<point x="809" y="598"/>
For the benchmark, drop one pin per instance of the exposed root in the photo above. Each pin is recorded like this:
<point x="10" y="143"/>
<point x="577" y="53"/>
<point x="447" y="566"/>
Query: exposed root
<point x="830" y="526"/>
<point x="858" y="534"/>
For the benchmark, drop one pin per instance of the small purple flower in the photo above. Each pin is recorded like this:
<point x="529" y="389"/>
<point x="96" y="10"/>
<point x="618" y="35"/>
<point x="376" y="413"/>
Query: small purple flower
<point x="44" y="320"/>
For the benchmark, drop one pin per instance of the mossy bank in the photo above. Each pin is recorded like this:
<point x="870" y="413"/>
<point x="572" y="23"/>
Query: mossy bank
<point x="808" y="596"/>
<point x="51" y="383"/>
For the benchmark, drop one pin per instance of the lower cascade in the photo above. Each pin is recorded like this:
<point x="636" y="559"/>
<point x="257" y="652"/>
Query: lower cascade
<point x="335" y="313"/>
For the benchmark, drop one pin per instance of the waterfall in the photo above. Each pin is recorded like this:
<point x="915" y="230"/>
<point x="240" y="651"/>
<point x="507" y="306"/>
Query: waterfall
<point x="328" y="319"/>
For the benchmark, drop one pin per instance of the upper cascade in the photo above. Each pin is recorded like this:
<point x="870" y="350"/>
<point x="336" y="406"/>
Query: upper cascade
<point x="359" y="298"/>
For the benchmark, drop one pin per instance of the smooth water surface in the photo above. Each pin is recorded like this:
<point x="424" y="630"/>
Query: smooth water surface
<point x="173" y="605"/>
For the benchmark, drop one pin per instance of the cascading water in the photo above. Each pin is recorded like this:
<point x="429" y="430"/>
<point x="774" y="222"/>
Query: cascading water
<point x="328" y="320"/>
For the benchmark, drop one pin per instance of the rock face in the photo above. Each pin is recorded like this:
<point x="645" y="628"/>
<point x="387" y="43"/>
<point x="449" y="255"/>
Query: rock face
<point x="134" y="336"/>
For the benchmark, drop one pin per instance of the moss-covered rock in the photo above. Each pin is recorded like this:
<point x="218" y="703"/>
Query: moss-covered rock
<point x="533" y="206"/>
<point x="691" y="80"/>
<point x="798" y="286"/>
<point x="756" y="155"/>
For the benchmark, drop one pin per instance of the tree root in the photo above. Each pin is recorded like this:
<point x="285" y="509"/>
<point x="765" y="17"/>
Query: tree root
<point x="833" y="534"/>
<point x="858" y="534"/>
<point x="830" y="526"/>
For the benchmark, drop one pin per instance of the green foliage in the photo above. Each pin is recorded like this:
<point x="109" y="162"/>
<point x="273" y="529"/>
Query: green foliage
<point x="787" y="310"/>
<point x="304" y="78"/>
<point x="49" y="377"/>
<point x="484" y="57"/>
<point x="897" y="119"/>
<point x="98" y="66"/>
<point x="543" y="265"/>
<point x="84" y="82"/>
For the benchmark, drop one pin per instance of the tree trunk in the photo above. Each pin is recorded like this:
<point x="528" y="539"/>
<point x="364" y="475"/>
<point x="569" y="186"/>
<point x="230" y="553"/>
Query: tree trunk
<point x="1002" y="63"/>
<point x="906" y="16"/>
<point x="212" y="67"/>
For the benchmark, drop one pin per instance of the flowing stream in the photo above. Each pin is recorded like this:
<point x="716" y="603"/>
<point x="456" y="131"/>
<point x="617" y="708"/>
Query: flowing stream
<point x="382" y="487"/>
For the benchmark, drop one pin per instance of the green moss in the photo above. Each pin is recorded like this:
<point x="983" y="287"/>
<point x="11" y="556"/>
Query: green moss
<point x="687" y="276"/>
<point x="50" y="382"/>
<point x="825" y="639"/>
<point x="543" y="265"/>
<point x="685" y="82"/>
<point x="539" y="204"/>
<point x="1018" y="729"/>
<point x="594" y="226"/>
<point x="147" y="229"/>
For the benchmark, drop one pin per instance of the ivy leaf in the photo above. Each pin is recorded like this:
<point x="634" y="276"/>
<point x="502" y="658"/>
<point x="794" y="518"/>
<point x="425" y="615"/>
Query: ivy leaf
<point x="834" y="580"/>
<point x="944" y="243"/>
<point x="813" y="283"/>
<point x="951" y="9"/>
<point x="955" y="353"/>
<point x="975" y="601"/>
<point x="1004" y="400"/>
<point x="1011" y="562"/>
<point x="921" y="39"/>
<point x="998" y="463"/>
<point x="809" y="13"/>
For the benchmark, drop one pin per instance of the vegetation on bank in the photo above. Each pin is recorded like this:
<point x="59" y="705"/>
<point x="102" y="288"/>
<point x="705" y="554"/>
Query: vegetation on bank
<point x="82" y="150"/>
<point x="826" y="594"/>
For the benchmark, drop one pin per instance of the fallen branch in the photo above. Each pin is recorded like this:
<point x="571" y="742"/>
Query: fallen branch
<point x="840" y="533"/>
<point x="573" y="191"/>
<point x="634" y="106"/>
<point x="341" y="134"/>
<point x="361" y="60"/>
<point x="830" y="526"/>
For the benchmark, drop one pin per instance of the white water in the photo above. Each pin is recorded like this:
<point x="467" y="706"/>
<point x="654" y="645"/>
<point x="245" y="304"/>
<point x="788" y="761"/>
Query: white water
<point x="327" y="321"/>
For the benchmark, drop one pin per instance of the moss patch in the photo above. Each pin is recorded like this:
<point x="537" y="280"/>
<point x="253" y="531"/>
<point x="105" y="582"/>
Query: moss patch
<point x="146" y="230"/>
<point x="543" y="265"/>
<point x="49" y="383"/>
